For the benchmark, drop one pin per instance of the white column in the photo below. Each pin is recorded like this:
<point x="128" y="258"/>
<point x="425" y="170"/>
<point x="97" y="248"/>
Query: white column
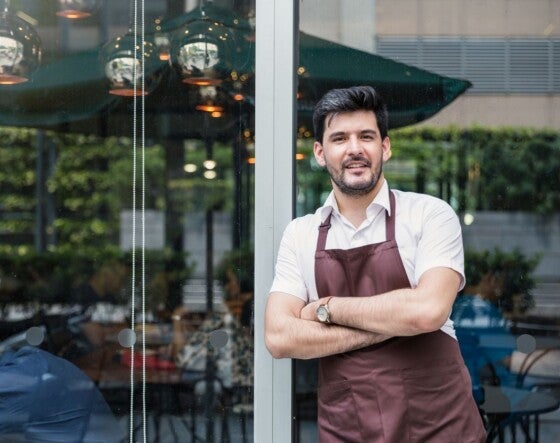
<point x="276" y="21"/>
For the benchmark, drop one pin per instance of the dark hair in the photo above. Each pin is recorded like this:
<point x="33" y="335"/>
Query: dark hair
<point x="355" y="98"/>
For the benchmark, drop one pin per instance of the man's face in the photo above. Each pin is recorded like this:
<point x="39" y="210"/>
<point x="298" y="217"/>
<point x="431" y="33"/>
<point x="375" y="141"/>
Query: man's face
<point x="353" y="151"/>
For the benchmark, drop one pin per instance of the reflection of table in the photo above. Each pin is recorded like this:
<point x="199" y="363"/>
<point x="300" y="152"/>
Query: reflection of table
<point x="516" y="406"/>
<point x="165" y="388"/>
<point x="105" y="367"/>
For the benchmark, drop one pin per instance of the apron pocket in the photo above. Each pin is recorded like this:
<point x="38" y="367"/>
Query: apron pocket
<point x="440" y="407"/>
<point x="349" y="412"/>
<point x="338" y="415"/>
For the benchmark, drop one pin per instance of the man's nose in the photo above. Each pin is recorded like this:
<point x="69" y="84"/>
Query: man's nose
<point x="354" y="145"/>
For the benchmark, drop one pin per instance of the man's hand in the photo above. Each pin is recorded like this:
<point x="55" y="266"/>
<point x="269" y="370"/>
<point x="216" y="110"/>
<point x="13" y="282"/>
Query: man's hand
<point x="309" y="311"/>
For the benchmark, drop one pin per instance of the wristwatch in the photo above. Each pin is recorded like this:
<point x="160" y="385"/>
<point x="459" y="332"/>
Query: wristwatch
<point x="323" y="313"/>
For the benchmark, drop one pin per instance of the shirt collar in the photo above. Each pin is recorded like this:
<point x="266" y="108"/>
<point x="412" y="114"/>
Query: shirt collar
<point x="380" y="200"/>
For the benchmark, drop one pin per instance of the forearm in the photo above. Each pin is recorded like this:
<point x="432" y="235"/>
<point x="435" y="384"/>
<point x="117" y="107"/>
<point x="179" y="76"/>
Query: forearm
<point x="401" y="312"/>
<point x="397" y="313"/>
<point x="308" y="339"/>
<point x="288" y="336"/>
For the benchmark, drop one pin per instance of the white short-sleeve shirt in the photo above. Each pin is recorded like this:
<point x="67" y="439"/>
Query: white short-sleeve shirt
<point x="427" y="231"/>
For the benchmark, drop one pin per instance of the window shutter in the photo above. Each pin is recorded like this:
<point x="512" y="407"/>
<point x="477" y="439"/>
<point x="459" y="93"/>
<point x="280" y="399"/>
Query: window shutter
<point x="524" y="66"/>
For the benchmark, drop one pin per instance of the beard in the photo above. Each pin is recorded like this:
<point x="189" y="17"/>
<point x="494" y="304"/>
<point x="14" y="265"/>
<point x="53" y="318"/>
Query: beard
<point x="357" y="189"/>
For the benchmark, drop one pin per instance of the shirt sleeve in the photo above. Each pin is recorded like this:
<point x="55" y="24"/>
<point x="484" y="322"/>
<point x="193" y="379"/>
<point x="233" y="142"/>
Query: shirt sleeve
<point x="440" y="243"/>
<point x="288" y="277"/>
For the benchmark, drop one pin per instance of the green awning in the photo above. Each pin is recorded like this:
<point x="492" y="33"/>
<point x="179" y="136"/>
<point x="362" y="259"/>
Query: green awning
<point x="70" y="94"/>
<point x="412" y="94"/>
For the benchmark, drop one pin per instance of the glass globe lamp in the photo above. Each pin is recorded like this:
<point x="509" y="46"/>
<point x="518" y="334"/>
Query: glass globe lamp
<point x="126" y="69"/>
<point x="20" y="49"/>
<point x="202" y="52"/>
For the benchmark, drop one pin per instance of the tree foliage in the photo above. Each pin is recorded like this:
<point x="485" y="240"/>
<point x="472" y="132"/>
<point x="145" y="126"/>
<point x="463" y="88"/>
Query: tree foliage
<point x="505" y="169"/>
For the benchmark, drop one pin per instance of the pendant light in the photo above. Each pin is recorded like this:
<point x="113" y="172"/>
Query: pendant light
<point x="20" y="48"/>
<point x="128" y="64"/>
<point x="76" y="9"/>
<point x="201" y="50"/>
<point x="131" y="65"/>
<point x="210" y="101"/>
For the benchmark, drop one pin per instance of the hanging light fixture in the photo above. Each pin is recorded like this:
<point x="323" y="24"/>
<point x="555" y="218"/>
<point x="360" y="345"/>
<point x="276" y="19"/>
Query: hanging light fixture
<point x="75" y="9"/>
<point x="209" y="101"/>
<point x="131" y="63"/>
<point x="202" y="51"/>
<point x="20" y="48"/>
<point x="128" y="63"/>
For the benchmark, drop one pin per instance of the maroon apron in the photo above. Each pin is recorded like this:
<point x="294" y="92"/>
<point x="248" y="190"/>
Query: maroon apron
<point x="406" y="389"/>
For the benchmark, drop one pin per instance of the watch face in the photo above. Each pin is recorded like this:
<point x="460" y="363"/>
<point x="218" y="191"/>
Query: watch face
<point x="322" y="313"/>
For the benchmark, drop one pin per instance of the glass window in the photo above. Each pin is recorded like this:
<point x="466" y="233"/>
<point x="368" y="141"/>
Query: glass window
<point x="126" y="220"/>
<point x="489" y="147"/>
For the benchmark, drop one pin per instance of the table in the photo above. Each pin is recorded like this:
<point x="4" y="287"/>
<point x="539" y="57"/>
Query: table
<point x="514" y="406"/>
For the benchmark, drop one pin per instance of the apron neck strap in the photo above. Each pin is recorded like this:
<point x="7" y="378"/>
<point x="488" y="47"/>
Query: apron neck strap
<point x="390" y="218"/>
<point x="323" y="230"/>
<point x="389" y="225"/>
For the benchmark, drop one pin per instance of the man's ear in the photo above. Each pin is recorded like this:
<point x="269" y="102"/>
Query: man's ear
<point x="386" y="146"/>
<point x="319" y="153"/>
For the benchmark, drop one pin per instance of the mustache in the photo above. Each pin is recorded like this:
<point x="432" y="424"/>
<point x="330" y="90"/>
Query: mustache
<point x="357" y="158"/>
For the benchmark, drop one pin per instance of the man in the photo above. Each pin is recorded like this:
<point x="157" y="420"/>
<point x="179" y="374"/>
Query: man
<point x="366" y="284"/>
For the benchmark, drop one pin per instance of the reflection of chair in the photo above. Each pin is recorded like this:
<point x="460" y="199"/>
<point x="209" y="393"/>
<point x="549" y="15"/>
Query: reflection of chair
<point x="535" y="373"/>
<point x="518" y="380"/>
<point x="239" y="400"/>
<point x="196" y="397"/>
<point x="63" y="335"/>
<point x="480" y="365"/>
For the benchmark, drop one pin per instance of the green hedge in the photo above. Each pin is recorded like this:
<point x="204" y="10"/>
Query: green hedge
<point x="506" y="169"/>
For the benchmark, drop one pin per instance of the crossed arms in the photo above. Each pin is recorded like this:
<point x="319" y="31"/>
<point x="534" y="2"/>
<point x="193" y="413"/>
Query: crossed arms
<point x="292" y="330"/>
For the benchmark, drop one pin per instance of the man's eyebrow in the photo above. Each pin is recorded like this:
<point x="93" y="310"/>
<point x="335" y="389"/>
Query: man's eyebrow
<point x="337" y="134"/>
<point x="363" y="132"/>
<point x="368" y="132"/>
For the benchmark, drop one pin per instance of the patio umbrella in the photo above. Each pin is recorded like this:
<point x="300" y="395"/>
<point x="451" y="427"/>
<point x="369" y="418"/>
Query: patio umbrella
<point x="70" y="94"/>
<point x="412" y="94"/>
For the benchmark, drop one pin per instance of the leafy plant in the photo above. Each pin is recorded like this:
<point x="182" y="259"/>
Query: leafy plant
<point x="517" y="270"/>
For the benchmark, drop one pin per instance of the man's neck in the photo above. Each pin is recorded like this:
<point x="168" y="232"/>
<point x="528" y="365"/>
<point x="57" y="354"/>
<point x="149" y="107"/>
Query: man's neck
<point x="354" y="208"/>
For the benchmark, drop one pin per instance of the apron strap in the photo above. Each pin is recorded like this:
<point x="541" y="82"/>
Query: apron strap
<point x="323" y="231"/>
<point x="389" y="225"/>
<point x="390" y="219"/>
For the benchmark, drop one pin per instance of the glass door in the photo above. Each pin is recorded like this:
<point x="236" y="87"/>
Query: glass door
<point x="126" y="219"/>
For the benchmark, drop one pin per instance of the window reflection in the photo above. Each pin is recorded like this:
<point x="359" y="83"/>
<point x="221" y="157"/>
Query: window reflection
<point x="485" y="155"/>
<point x="126" y="210"/>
